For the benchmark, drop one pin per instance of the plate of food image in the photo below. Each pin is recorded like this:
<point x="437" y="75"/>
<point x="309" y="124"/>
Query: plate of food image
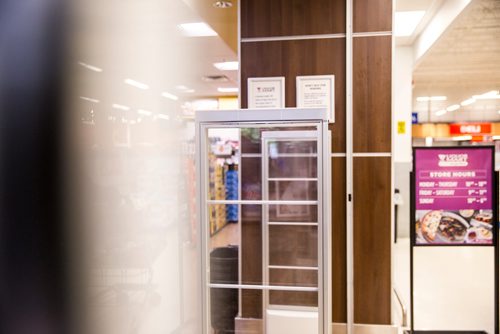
<point x="479" y="235"/>
<point x="483" y="218"/>
<point x="443" y="227"/>
<point x="468" y="213"/>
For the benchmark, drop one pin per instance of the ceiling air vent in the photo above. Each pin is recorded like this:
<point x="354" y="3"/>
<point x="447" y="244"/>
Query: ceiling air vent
<point x="215" y="78"/>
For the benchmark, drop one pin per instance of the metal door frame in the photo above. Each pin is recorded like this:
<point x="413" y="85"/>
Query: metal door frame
<point x="267" y="118"/>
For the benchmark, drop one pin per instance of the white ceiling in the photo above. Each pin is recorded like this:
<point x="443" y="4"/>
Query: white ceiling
<point x="463" y="62"/>
<point x="140" y="40"/>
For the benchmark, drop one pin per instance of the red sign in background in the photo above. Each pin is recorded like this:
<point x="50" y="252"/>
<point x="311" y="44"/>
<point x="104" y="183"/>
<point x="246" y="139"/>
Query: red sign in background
<point x="470" y="129"/>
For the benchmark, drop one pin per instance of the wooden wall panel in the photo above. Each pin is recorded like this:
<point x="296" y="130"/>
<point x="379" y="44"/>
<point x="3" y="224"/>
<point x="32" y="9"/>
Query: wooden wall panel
<point x="372" y="235"/>
<point x="264" y="18"/>
<point x="339" y="261"/>
<point x="372" y="15"/>
<point x="299" y="57"/>
<point x="372" y="94"/>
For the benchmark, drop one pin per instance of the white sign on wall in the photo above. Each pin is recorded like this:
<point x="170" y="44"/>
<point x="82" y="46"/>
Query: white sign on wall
<point x="317" y="91"/>
<point x="266" y="93"/>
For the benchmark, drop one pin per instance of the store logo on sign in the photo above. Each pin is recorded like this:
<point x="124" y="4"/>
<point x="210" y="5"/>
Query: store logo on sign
<point x="265" y="89"/>
<point x="470" y="128"/>
<point x="453" y="160"/>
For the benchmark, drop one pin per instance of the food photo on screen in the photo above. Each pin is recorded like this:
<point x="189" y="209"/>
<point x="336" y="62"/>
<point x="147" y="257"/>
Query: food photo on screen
<point x="449" y="227"/>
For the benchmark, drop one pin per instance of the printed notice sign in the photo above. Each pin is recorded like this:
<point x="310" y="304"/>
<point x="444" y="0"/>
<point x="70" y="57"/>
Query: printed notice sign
<point x="454" y="196"/>
<point x="266" y="93"/>
<point x="317" y="91"/>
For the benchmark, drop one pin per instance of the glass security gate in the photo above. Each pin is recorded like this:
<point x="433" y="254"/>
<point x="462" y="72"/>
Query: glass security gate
<point x="264" y="226"/>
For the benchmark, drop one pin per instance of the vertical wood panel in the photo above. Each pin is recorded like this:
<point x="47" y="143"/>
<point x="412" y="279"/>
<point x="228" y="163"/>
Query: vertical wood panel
<point x="372" y="15"/>
<point x="301" y="57"/>
<point x="339" y="260"/>
<point x="372" y="94"/>
<point x="372" y="235"/>
<point x="264" y="18"/>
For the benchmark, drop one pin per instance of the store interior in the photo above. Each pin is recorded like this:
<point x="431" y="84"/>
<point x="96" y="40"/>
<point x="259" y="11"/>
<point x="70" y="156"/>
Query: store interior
<point x="132" y="136"/>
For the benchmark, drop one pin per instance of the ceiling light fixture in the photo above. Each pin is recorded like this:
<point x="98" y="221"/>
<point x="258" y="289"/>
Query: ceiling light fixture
<point x="89" y="99"/>
<point x="120" y="106"/>
<point x="493" y="94"/>
<point x="227" y="89"/>
<point x="144" y="112"/>
<point x="196" y="29"/>
<point x="90" y="67"/>
<point x="136" y="84"/>
<point x="467" y="102"/>
<point x="407" y="22"/>
<point x="440" y="112"/>
<point x="453" y="107"/>
<point x="227" y="66"/>
<point x="169" y="96"/>
<point x="223" y="4"/>
<point x="431" y="98"/>
<point x="163" y="116"/>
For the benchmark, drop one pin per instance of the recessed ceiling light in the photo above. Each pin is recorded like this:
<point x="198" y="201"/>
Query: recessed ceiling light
<point x="223" y="4"/>
<point x="89" y="99"/>
<point x="169" y="96"/>
<point x="407" y="22"/>
<point x="227" y="66"/>
<point x="196" y="29"/>
<point x="120" y="106"/>
<point x="468" y="101"/>
<point x="90" y="67"/>
<point x="163" y="116"/>
<point x="453" y="107"/>
<point x="181" y="87"/>
<point x="440" y="112"/>
<point x="136" y="84"/>
<point x="227" y="89"/>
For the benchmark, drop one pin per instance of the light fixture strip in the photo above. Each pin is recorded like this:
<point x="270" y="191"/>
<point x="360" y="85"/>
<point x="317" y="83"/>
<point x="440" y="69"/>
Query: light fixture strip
<point x="120" y="106"/>
<point x="169" y="96"/>
<point x="90" y="67"/>
<point x="136" y="84"/>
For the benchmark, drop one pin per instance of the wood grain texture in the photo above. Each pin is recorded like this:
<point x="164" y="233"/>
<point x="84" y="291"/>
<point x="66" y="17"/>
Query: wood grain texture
<point x="301" y="57"/>
<point x="372" y="15"/>
<point x="251" y="255"/>
<point x="339" y="261"/>
<point x="372" y="94"/>
<point x="264" y="18"/>
<point x="372" y="235"/>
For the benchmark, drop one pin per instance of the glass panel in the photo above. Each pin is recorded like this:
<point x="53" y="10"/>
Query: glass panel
<point x="293" y="277"/>
<point x="225" y="313"/>
<point x="297" y="147"/>
<point x="293" y="190"/>
<point x="292" y="167"/>
<point x="225" y="246"/>
<point x="293" y="298"/>
<point x="293" y="246"/>
<point x="251" y="256"/>
<point x="293" y="213"/>
<point x="223" y="152"/>
<point x="251" y="182"/>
